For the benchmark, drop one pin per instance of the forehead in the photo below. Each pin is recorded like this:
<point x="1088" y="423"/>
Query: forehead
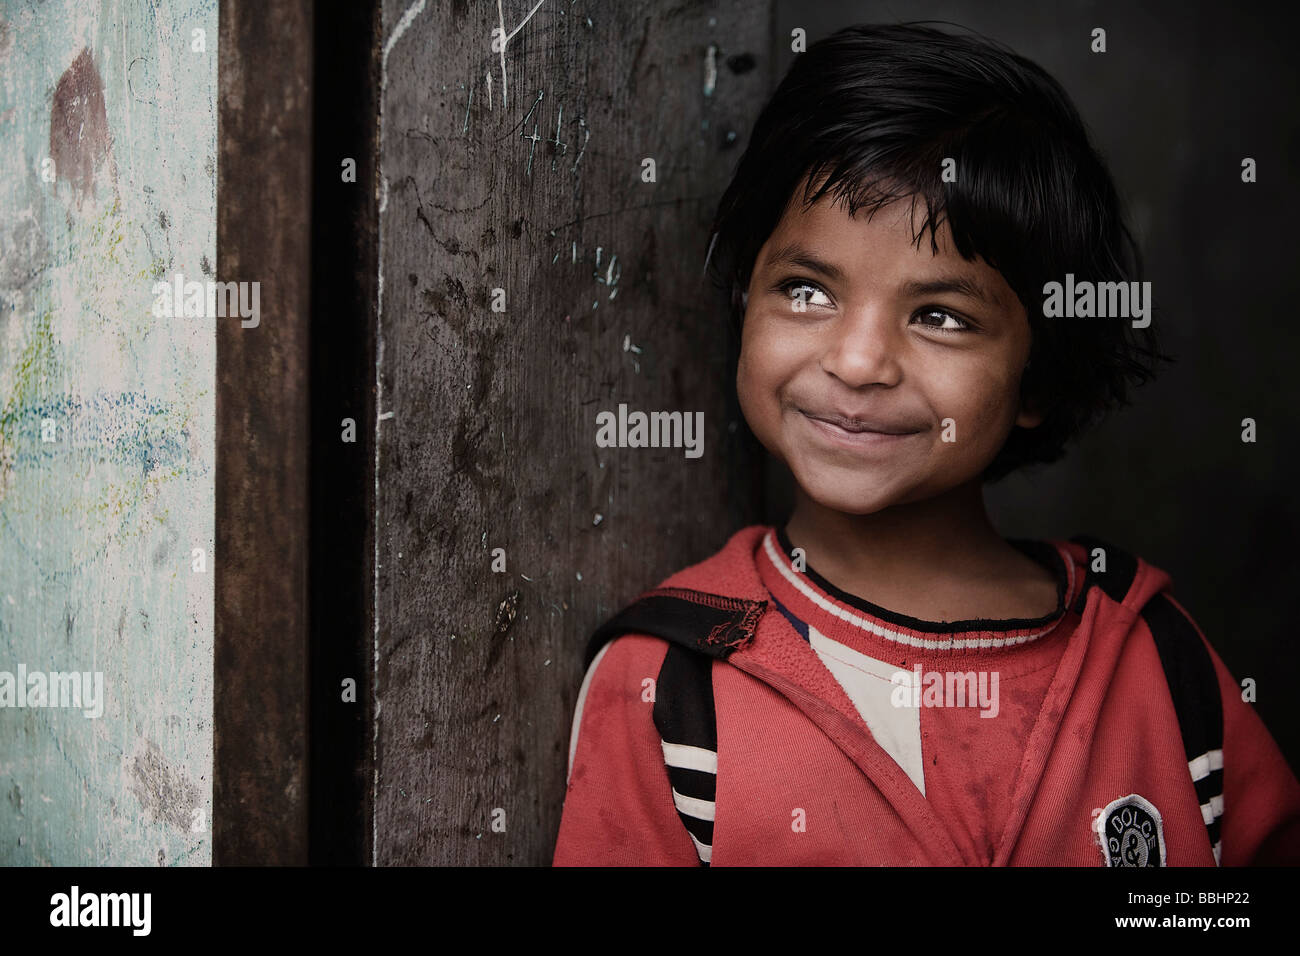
<point x="885" y="243"/>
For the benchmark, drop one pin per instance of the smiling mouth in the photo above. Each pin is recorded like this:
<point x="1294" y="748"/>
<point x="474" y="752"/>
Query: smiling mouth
<point x="858" y="428"/>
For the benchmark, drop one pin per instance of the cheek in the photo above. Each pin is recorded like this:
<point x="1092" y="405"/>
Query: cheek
<point x="762" y="373"/>
<point x="745" y="368"/>
<point x="983" y="403"/>
<point x="758" y="373"/>
<point x="746" y="383"/>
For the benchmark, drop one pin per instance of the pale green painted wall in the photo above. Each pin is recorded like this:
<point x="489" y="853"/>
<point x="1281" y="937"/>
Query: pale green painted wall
<point x="98" y="527"/>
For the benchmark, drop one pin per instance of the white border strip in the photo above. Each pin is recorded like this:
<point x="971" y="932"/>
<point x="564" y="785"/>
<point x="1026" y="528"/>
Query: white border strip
<point x="577" y="711"/>
<point x="1205" y="764"/>
<point x="1213" y="810"/>
<point x="686" y="757"/>
<point x="694" y="806"/>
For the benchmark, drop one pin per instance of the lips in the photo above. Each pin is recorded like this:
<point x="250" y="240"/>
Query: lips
<point x="861" y="424"/>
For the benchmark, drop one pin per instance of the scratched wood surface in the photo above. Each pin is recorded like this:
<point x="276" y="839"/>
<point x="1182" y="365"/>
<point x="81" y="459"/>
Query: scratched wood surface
<point x="520" y="169"/>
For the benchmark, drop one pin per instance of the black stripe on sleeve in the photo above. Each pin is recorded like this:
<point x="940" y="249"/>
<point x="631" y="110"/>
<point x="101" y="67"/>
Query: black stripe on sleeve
<point x="684" y="714"/>
<point x="1194" y="688"/>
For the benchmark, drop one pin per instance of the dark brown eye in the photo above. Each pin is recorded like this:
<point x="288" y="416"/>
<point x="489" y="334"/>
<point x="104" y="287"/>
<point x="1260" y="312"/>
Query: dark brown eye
<point x="944" y="317"/>
<point x="808" y="290"/>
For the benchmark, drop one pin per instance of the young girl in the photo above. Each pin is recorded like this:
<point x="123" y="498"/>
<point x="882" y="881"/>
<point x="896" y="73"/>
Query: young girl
<point x="885" y="679"/>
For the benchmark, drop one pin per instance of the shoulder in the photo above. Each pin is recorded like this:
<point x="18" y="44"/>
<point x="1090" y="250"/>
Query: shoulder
<point x="718" y="595"/>
<point x="622" y="665"/>
<point x="1115" y="573"/>
<point x="1137" y="596"/>
<point x="728" y="570"/>
<point x="617" y="684"/>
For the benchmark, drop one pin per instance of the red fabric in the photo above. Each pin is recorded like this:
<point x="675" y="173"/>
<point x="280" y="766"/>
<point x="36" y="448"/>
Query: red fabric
<point x="792" y="747"/>
<point x="619" y="808"/>
<point x="970" y="762"/>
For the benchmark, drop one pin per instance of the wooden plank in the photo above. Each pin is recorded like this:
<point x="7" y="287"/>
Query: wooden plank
<point x="263" y="235"/>
<point x="520" y="169"/>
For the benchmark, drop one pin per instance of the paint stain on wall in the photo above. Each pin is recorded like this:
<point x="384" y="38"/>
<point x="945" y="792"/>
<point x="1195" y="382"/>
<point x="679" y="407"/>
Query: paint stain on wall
<point x="79" y="141"/>
<point x="165" y="793"/>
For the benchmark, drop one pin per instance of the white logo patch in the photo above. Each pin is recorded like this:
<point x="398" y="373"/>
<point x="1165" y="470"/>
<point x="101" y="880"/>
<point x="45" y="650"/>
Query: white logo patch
<point x="1131" y="833"/>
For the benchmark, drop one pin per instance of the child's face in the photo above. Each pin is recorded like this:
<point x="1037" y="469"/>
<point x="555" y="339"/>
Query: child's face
<point x="874" y="347"/>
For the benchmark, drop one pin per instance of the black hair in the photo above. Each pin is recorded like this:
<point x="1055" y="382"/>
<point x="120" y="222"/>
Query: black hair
<point x="876" y="109"/>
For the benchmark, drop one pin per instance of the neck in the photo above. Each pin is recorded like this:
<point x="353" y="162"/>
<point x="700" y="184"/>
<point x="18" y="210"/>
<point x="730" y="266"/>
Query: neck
<point x="946" y="536"/>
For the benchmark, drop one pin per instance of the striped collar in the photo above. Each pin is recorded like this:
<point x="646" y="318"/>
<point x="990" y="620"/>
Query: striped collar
<point x="812" y="599"/>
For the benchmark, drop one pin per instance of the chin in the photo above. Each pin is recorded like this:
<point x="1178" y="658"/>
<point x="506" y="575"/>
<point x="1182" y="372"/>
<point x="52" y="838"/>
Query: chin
<point x="857" y="497"/>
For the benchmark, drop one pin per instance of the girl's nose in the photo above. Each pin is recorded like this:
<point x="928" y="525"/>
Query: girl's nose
<point x="862" y="348"/>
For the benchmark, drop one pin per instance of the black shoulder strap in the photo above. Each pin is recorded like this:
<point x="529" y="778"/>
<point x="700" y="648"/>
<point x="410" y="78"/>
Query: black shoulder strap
<point x="688" y="730"/>
<point x="701" y="628"/>
<point x="711" y="624"/>
<point x="1189" y="672"/>
<point x="1194" y="687"/>
<point x="1115" y="580"/>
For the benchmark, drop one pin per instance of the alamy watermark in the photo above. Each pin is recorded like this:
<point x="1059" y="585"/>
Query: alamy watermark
<point x="210" y="300"/>
<point x="77" y="689"/>
<point x="919" y="688"/>
<point x="651" y="430"/>
<point x="75" y="908"/>
<point x="1100" y="300"/>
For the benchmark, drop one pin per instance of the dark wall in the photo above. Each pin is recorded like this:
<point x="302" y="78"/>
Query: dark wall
<point x="1183" y="93"/>
<point x="521" y="170"/>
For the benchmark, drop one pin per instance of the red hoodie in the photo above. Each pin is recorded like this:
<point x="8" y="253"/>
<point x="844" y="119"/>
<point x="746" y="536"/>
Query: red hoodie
<point x="849" y="735"/>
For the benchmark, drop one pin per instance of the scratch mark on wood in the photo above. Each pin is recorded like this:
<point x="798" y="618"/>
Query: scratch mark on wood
<point x="413" y="11"/>
<point x="562" y="147"/>
<point x="501" y="22"/>
<point x="535" y="138"/>
<point x="623" y="209"/>
<point x="524" y="20"/>
<point x="587" y="135"/>
<point x="505" y="40"/>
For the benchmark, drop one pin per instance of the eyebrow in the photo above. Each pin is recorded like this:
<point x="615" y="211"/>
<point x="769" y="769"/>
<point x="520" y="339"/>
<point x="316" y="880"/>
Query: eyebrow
<point x="793" y="254"/>
<point x="959" y="284"/>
